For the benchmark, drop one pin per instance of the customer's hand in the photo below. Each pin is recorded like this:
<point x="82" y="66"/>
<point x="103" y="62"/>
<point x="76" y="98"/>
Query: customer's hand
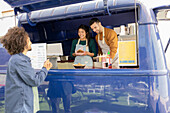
<point x="47" y="64"/>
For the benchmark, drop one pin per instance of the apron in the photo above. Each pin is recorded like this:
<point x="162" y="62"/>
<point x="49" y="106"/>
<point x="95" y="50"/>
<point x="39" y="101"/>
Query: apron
<point x="105" y="48"/>
<point x="83" y="59"/>
<point x="35" y="99"/>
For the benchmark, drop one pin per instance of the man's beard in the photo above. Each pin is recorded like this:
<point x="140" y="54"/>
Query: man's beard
<point x="97" y="31"/>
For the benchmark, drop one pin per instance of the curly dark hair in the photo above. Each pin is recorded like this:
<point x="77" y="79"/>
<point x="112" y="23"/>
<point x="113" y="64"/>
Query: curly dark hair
<point x="15" y="40"/>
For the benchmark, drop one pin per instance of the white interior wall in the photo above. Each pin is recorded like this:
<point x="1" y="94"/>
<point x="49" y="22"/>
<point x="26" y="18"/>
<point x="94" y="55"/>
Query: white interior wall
<point x="164" y="30"/>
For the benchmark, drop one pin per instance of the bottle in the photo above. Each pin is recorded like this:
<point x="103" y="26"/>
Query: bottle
<point x="100" y="58"/>
<point x="109" y="60"/>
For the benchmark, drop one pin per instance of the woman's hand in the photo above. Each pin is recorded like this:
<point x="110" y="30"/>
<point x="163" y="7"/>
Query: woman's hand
<point x="86" y="53"/>
<point x="74" y="54"/>
<point x="83" y="54"/>
<point x="77" y="54"/>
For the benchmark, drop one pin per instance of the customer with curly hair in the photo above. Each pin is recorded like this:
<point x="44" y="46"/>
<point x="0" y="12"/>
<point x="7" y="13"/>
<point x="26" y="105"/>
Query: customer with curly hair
<point x="21" y="77"/>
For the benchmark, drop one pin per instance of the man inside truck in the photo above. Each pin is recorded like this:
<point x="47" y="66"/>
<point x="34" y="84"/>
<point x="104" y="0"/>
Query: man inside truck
<point x="106" y="39"/>
<point x="21" y="95"/>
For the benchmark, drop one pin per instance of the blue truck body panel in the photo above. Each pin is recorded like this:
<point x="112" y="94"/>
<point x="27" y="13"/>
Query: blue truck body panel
<point x="145" y="89"/>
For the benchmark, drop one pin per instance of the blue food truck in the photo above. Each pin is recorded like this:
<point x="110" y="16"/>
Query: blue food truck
<point x="141" y="84"/>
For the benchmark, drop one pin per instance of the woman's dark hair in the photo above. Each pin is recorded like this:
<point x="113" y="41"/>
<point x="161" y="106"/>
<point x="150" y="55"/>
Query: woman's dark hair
<point x="15" y="40"/>
<point x="86" y="28"/>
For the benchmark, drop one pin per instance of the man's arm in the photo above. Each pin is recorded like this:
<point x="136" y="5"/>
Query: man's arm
<point x="113" y="43"/>
<point x="99" y="49"/>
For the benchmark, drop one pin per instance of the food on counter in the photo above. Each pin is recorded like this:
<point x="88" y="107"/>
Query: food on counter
<point x="80" y="51"/>
<point x="78" y="64"/>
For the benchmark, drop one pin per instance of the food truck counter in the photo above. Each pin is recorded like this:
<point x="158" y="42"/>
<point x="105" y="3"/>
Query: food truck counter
<point x="105" y="72"/>
<point x="71" y="65"/>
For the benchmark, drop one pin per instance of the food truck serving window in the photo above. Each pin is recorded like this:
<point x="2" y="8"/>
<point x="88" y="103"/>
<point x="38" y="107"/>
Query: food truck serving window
<point x="65" y="30"/>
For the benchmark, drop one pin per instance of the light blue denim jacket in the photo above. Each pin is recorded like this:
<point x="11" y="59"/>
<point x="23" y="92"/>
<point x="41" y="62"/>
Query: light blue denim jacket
<point x="20" y="79"/>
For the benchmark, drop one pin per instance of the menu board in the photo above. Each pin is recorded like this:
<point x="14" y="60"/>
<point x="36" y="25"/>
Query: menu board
<point x="127" y="53"/>
<point x="38" y="55"/>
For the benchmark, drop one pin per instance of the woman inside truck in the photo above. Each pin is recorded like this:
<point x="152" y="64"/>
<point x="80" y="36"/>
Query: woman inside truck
<point x="83" y="48"/>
